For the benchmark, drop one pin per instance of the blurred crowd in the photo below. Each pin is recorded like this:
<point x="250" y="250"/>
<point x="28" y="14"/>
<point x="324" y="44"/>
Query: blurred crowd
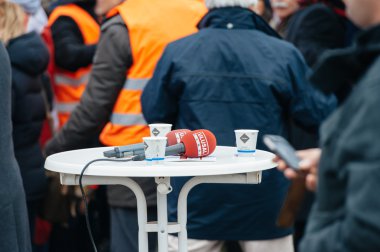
<point x="91" y="73"/>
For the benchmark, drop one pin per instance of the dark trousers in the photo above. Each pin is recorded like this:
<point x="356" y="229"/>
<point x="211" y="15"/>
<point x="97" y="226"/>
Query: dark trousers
<point x="32" y="207"/>
<point x="124" y="230"/>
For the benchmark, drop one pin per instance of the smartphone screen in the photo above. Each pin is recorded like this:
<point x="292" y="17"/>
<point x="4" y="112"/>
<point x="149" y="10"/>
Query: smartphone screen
<point x="281" y="147"/>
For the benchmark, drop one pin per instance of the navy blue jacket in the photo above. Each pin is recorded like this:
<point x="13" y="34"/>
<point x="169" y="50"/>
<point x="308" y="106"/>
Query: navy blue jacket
<point x="29" y="58"/>
<point x="234" y="73"/>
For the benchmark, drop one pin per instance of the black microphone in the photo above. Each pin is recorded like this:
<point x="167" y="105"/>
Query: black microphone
<point x="169" y="151"/>
<point x="125" y="151"/>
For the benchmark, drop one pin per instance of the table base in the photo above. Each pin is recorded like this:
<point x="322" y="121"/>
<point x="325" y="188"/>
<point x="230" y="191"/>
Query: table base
<point x="162" y="227"/>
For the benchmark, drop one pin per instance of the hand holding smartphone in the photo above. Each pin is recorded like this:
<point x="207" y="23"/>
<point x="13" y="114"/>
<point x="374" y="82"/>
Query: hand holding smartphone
<point x="282" y="148"/>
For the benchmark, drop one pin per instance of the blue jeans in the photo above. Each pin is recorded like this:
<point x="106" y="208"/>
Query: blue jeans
<point x="124" y="230"/>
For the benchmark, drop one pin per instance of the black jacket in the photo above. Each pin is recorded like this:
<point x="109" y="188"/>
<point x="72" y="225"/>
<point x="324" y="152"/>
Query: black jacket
<point x="70" y="51"/>
<point x="314" y="30"/>
<point x="29" y="58"/>
<point x="14" y="228"/>
<point x="346" y="215"/>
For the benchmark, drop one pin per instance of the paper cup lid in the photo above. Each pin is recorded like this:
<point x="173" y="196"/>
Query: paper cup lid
<point x="246" y="130"/>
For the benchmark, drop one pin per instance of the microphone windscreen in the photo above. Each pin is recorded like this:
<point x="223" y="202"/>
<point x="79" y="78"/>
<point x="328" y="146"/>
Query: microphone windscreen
<point x="199" y="143"/>
<point x="175" y="136"/>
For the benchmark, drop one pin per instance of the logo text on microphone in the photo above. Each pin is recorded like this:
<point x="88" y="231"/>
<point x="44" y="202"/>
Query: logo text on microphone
<point x="202" y="144"/>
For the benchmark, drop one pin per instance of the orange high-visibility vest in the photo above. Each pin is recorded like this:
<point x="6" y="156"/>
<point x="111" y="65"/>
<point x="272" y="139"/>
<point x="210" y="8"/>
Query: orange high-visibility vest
<point x="152" y="24"/>
<point x="69" y="86"/>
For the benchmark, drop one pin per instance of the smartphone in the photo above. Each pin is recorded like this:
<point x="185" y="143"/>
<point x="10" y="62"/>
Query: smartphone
<point x="282" y="148"/>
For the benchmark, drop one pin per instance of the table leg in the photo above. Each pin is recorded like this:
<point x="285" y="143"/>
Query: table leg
<point x="163" y="188"/>
<point x="68" y="179"/>
<point x="249" y="178"/>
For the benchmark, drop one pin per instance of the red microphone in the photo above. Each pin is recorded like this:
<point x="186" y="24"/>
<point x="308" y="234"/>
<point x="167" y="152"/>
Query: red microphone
<point x="198" y="143"/>
<point x="175" y="136"/>
<point x="195" y="144"/>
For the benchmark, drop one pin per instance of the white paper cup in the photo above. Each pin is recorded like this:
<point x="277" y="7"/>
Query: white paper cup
<point x="246" y="141"/>
<point x="159" y="129"/>
<point x="155" y="149"/>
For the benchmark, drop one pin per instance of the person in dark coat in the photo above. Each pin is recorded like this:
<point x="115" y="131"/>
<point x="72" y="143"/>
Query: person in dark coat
<point x="14" y="229"/>
<point x="313" y="26"/>
<point x="345" y="172"/>
<point x="234" y="73"/>
<point x="318" y="26"/>
<point x="29" y="59"/>
<point x="70" y="51"/>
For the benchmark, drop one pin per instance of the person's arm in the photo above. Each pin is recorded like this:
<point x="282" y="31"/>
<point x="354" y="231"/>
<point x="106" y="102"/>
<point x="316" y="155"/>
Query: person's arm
<point x="159" y="100"/>
<point x="70" y="51"/>
<point x="308" y="107"/>
<point x="359" y="228"/>
<point x="108" y="75"/>
<point x="317" y="31"/>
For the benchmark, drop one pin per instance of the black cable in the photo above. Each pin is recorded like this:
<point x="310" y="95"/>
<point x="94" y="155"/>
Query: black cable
<point x="84" y="197"/>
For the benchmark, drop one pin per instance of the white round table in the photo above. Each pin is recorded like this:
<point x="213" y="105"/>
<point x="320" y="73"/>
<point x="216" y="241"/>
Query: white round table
<point x="227" y="169"/>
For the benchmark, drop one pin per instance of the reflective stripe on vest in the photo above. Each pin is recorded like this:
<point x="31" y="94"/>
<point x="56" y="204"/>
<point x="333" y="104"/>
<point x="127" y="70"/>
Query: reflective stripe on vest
<point x="128" y="119"/>
<point x="63" y="111"/>
<point x="69" y="86"/>
<point x="149" y="33"/>
<point x="65" y="107"/>
<point x="62" y="79"/>
<point x="135" y="84"/>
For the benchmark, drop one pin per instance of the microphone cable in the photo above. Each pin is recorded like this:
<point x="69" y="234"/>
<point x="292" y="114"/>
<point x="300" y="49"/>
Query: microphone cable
<point x="84" y="197"/>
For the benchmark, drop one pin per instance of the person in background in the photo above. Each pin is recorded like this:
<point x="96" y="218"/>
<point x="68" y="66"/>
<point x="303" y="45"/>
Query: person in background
<point x="71" y="34"/>
<point x="29" y="58"/>
<point x="38" y="21"/>
<point x="105" y="8"/>
<point x="235" y="73"/>
<point x="313" y="26"/>
<point x="14" y="228"/>
<point x="345" y="171"/>
<point x="37" y="18"/>
<point x="75" y="32"/>
<point x="319" y="25"/>
<point x="263" y="9"/>
<point x="282" y="11"/>
<point x="133" y="38"/>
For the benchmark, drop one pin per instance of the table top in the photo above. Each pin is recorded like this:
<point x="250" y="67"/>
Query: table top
<point x="72" y="162"/>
